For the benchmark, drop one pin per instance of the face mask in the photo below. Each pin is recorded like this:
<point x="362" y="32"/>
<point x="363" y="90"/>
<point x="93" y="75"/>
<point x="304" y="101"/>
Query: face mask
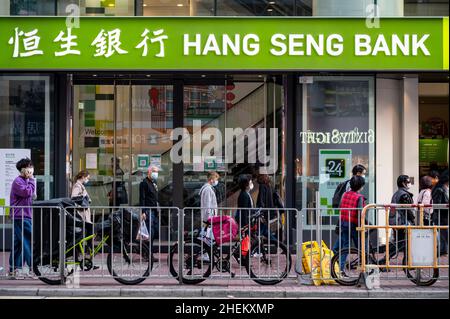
<point x="30" y="170"/>
<point x="363" y="176"/>
<point x="408" y="185"/>
<point x="154" y="176"/>
<point x="251" y="186"/>
<point x="86" y="181"/>
<point x="215" y="183"/>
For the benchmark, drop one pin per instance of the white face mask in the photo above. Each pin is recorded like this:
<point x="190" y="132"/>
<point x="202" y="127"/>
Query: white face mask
<point x="251" y="186"/>
<point x="86" y="181"/>
<point x="154" y="176"/>
<point x="215" y="183"/>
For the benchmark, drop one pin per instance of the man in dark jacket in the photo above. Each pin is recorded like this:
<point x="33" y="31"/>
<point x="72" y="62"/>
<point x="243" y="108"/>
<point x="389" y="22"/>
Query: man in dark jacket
<point x="148" y="198"/>
<point x="440" y="216"/>
<point x="402" y="216"/>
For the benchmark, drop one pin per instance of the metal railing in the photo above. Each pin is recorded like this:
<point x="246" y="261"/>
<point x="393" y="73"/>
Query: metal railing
<point x="401" y="218"/>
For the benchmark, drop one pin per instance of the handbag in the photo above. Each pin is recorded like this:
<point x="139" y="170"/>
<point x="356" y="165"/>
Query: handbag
<point x="81" y="200"/>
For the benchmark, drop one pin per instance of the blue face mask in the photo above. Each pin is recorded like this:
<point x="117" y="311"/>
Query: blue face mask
<point x="154" y="176"/>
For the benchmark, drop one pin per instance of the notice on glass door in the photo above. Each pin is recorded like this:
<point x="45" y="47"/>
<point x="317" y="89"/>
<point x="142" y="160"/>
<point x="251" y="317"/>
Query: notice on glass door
<point x="8" y="172"/>
<point x="91" y="161"/>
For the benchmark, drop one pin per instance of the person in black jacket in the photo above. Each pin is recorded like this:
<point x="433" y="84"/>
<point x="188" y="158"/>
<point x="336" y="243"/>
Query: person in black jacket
<point x="245" y="200"/>
<point x="402" y="216"/>
<point x="118" y="194"/>
<point x="266" y="200"/>
<point x="148" y="198"/>
<point x="440" y="216"/>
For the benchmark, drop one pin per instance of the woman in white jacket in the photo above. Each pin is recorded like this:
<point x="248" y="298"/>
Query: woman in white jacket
<point x="79" y="189"/>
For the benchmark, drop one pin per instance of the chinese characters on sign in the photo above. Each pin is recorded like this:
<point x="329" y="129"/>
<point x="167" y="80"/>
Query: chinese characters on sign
<point x="107" y="43"/>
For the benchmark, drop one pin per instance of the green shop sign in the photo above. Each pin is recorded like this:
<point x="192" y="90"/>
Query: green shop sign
<point x="199" y="43"/>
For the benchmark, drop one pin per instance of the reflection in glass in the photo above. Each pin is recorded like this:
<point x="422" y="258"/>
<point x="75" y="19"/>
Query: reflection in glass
<point x="26" y="122"/>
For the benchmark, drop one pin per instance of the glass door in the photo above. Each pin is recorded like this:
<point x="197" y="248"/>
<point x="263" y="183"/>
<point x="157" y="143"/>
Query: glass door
<point x="233" y="114"/>
<point x="118" y="131"/>
<point x="335" y="131"/>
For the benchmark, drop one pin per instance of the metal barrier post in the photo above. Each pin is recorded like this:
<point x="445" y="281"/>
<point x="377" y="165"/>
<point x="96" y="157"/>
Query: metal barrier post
<point x="62" y="243"/>
<point x="318" y="226"/>
<point x="299" y="235"/>
<point x="180" y="244"/>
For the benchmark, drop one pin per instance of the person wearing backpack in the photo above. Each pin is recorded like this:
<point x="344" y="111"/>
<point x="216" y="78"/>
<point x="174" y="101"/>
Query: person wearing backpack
<point x="351" y="205"/>
<point x="358" y="170"/>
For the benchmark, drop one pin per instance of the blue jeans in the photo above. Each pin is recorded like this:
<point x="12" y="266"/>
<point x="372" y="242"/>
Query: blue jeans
<point x="344" y="240"/>
<point x="154" y="227"/>
<point x="21" y="253"/>
<point x="264" y="231"/>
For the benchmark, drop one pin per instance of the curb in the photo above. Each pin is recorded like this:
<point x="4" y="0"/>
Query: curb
<point x="225" y="293"/>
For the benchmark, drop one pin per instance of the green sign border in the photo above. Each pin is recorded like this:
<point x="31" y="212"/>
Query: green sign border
<point x="265" y="27"/>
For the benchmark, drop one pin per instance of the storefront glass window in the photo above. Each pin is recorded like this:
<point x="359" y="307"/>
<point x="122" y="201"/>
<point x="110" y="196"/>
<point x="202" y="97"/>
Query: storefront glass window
<point x="131" y="124"/>
<point x="335" y="131"/>
<point x="252" y="104"/>
<point x="28" y="7"/>
<point x="99" y="7"/>
<point x="26" y="122"/>
<point x="255" y="8"/>
<point x="423" y="8"/>
<point x="175" y="7"/>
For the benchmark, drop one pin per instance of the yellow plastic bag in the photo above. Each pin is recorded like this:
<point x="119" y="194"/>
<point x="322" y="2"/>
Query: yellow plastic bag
<point x="312" y="262"/>
<point x="325" y="265"/>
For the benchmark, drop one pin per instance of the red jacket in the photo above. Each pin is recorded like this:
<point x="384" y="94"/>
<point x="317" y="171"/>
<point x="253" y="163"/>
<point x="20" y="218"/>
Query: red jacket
<point x="351" y="199"/>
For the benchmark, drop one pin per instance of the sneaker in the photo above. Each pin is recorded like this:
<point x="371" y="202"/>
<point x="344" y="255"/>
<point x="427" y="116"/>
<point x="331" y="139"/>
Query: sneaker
<point x="257" y="255"/>
<point x="27" y="274"/>
<point x="16" y="275"/>
<point x="343" y="275"/>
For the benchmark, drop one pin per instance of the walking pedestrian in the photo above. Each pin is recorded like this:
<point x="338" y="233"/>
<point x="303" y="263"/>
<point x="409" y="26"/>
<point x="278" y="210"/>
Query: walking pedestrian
<point x="80" y="194"/>
<point x="266" y="200"/>
<point x="439" y="195"/>
<point x="245" y="200"/>
<point x="23" y="189"/>
<point x="118" y="194"/>
<point x="424" y="198"/>
<point x="358" y="170"/>
<point x="208" y="199"/>
<point x="350" y="207"/>
<point x="402" y="216"/>
<point x="148" y="199"/>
